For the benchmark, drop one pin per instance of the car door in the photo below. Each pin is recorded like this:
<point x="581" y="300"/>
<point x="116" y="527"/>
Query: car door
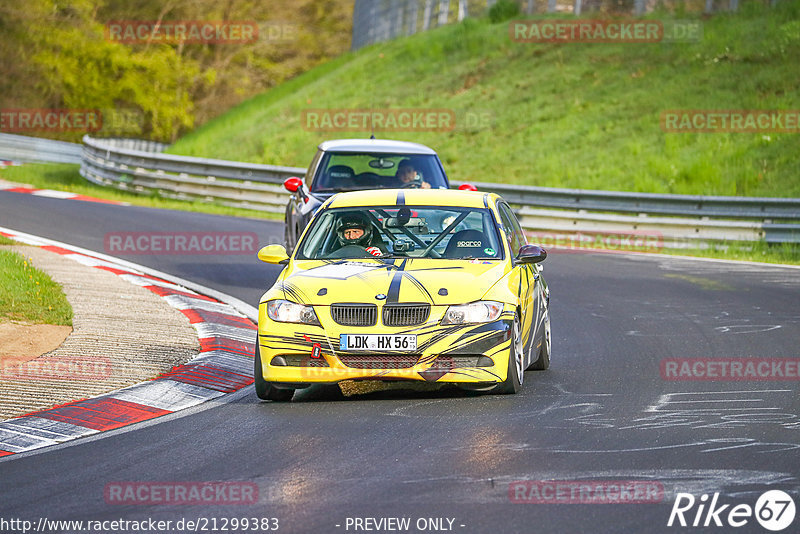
<point x="529" y="276"/>
<point x="298" y="210"/>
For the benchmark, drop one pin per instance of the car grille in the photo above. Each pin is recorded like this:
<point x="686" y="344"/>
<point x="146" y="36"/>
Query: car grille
<point x="379" y="361"/>
<point x="355" y="314"/>
<point x="405" y="314"/>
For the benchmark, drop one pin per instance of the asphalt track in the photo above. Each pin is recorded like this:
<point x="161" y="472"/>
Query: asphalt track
<point x="602" y="411"/>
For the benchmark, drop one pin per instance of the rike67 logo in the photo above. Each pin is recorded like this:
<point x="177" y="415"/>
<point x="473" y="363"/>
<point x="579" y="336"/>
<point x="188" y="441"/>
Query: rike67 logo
<point x="774" y="510"/>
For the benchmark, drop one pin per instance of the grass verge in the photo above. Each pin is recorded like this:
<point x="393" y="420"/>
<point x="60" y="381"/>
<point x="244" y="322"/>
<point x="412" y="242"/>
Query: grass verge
<point x="786" y="253"/>
<point x="28" y="294"/>
<point x="574" y="115"/>
<point x="65" y="177"/>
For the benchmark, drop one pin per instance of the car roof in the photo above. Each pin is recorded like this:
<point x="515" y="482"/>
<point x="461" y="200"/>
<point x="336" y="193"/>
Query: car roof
<point x="375" y="145"/>
<point x="414" y="197"/>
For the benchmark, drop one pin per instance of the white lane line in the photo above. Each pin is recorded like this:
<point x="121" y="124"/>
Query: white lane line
<point x="54" y="194"/>
<point x="94" y="262"/>
<point x="183" y="302"/>
<point x="207" y="330"/>
<point x="167" y="395"/>
<point x="143" y="281"/>
<point x="46" y="428"/>
<point x="228" y="361"/>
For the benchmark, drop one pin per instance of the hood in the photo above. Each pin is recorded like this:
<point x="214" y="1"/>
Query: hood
<point x="437" y="281"/>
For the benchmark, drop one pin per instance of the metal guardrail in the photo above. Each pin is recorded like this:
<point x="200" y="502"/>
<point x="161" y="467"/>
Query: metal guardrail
<point x="143" y="168"/>
<point x="677" y="220"/>
<point x="24" y="149"/>
<point x="683" y="205"/>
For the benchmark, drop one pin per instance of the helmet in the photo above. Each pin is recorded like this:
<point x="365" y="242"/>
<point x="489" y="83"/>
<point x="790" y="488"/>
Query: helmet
<point x="354" y="220"/>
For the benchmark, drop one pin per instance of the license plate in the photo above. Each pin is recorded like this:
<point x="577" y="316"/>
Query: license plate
<point x="377" y="342"/>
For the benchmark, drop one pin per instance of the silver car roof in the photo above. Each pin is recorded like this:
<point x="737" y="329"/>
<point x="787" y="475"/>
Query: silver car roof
<point x="375" y="145"/>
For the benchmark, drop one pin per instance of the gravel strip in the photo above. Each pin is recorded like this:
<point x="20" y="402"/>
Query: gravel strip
<point x="122" y="335"/>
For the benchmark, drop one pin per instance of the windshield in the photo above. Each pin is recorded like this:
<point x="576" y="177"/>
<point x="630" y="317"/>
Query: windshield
<point x="351" y="171"/>
<point x="412" y="232"/>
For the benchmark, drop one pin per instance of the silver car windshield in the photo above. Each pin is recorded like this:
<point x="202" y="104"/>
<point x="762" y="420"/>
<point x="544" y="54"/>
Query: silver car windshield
<point x="409" y="231"/>
<point x="349" y="171"/>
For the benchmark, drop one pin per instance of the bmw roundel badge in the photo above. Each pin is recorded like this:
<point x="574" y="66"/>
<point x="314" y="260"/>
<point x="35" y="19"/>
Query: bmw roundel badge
<point x="380" y="296"/>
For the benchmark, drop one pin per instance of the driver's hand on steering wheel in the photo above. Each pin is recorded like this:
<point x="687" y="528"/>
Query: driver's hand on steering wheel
<point x="416" y="185"/>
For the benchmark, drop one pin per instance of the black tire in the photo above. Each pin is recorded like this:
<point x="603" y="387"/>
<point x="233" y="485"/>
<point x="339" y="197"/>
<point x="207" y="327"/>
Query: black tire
<point x="265" y="390"/>
<point x="515" y="376"/>
<point x="543" y="363"/>
<point x="287" y="221"/>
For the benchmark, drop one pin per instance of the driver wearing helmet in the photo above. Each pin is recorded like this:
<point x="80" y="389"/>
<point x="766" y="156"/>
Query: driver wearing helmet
<point x="355" y="230"/>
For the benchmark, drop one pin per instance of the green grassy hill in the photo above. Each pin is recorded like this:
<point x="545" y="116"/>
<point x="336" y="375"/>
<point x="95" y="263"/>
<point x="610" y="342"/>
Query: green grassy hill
<point x="562" y="115"/>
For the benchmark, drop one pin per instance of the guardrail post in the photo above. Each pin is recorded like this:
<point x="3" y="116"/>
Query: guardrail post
<point x="426" y="15"/>
<point x="462" y="10"/>
<point x="444" y="12"/>
<point x="412" y="17"/>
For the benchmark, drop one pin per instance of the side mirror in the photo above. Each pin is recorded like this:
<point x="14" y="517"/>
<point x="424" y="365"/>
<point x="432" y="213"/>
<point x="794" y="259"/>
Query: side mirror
<point x="467" y="187"/>
<point x="293" y="185"/>
<point x="531" y="254"/>
<point x="273" y="254"/>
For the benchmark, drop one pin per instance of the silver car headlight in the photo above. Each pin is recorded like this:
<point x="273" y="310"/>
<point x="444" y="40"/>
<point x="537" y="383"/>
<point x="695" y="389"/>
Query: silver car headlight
<point x="483" y="311"/>
<point x="284" y="311"/>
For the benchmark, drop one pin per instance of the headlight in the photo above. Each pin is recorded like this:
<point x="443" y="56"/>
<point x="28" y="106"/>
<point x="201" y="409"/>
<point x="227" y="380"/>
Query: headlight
<point x="482" y="311"/>
<point x="284" y="311"/>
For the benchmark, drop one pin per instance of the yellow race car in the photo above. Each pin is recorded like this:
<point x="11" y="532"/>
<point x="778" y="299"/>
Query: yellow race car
<point x="405" y="284"/>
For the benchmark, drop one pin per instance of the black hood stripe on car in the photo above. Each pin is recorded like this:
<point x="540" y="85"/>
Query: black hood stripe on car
<point x="393" y="294"/>
<point x="419" y="286"/>
<point x="296" y="294"/>
<point x="401" y="198"/>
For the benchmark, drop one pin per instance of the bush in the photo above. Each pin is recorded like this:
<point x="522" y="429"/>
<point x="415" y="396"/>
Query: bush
<point x="503" y="10"/>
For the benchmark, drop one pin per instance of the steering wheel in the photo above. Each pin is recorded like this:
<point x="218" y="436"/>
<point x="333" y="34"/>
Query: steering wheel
<point x="411" y="185"/>
<point x="350" y="251"/>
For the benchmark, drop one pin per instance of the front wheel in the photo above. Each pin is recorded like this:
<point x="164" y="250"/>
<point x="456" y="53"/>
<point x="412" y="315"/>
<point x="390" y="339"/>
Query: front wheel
<point x="515" y="376"/>
<point x="265" y="390"/>
<point x="544" y="351"/>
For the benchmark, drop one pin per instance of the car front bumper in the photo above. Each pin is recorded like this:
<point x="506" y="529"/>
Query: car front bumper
<point x="298" y="354"/>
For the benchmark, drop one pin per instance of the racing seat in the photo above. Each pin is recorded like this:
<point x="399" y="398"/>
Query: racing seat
<point x="339" y="177"/>
<point x="466" y="243"/>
